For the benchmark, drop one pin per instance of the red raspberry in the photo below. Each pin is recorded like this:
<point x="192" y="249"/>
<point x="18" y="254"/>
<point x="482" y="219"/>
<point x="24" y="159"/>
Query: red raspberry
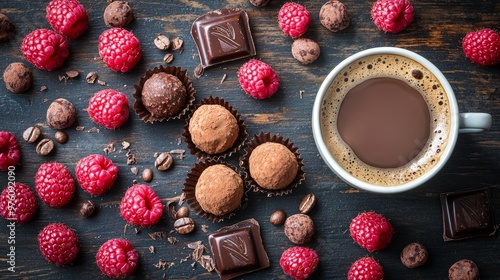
<point x="482" y="47"/>
<point x="67" y="17"/>
<point x="141" y="206"/>
<point x="117" y="258"/>
<point x="258" y="79"/>
<point x="54" y="184"/>
<point x="294" y="19"/>
<point x="10" y="153"/>
<point x="299" y="262"/>
<point x="17" y="203"/>
<point x="45" y="49"/>
<point x="119" y="49"/>
<point x="58" y="243"/>
<point x="96" y="174"/>
<point x="392" y="15"/>
<point x="371" y="231"/>
<point x="109" y="108"/>
<point x="365" y="269"/>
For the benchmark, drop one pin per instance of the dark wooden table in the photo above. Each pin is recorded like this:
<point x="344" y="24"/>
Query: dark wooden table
<point x="435" y="33"/>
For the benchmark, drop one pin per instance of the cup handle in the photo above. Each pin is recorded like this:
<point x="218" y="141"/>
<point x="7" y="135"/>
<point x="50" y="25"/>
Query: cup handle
<point x="474" y="122"/>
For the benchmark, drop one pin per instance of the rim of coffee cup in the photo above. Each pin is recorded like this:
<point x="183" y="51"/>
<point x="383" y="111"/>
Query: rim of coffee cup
<point x="346" y="176"/>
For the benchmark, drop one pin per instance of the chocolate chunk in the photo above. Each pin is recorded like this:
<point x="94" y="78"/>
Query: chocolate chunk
<point x="223" y="35"/>
<point x="467" y="213"/>
<point x="238" y="249"/>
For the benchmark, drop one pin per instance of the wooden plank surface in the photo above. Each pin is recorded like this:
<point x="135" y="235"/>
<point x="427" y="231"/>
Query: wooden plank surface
<point x="436" y="33"/>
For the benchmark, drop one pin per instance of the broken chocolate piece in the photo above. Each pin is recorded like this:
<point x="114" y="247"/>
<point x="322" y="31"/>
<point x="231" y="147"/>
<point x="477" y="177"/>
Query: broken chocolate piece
<point x="223" y="35"/>
<point x="238" y="249"/>
<point x="467" y="213"/>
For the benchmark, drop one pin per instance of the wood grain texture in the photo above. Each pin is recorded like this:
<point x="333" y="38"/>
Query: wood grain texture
<point x="436" y="33"/>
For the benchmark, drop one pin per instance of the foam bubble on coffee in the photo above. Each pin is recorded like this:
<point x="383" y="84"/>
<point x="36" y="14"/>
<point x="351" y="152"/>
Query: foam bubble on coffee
<point x="415" y="75"/>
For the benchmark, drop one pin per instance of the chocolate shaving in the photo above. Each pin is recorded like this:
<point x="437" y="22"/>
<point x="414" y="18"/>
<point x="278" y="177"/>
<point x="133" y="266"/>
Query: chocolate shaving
<point x="180" y="153"/>
<point x="172" y="213"/>
<point x="172" y="240"/>
<point x="43" y="88"/>
<point x="152" y="249"/>
<point x="91" y="77"/>
<point x="125" y="229"/>
<point x="72" y="74"/>
<point x="163" y="265"/>
<point x="207" y="263"/>
<point x="198" y="71"/>
<point x="102" y="83"/>
<point x="80" y="128"/>
<point x="125" y="145"/>
<point x="204" y="228"/>
<point x="109" y="148"/>
<point x="134" y="170"/>
<point x="223" y="79"/>
<point x="94" y="130"/>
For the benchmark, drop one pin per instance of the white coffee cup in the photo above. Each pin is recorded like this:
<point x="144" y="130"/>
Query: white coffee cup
<point x="435" y="153"/>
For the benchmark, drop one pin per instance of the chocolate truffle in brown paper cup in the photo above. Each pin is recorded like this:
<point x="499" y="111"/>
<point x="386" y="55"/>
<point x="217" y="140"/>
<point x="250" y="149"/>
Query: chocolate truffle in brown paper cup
<point x="272" y="165"/>
<point x="214" y="129"/>
<point x="214" y="190"/>
<point x="163" y="93"/>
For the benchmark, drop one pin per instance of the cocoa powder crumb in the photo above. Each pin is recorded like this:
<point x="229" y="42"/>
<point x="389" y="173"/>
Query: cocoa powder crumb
<point x="80" y="128"/>
<point x="102" y="83"/>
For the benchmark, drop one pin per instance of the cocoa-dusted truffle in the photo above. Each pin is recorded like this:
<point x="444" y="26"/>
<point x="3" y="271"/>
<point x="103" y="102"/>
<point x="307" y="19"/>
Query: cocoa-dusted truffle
<point x="163" y="95"/>
<point x="219" y="190"/>
<point x="333" y="15"/>
<point x="414" y="255"/>
<point x="118" y="14"/>
<point x="299" y="228"/>
<point x="213" y="128"/>
<point x="464" y="270"/>
<point x="273" y="166"/>
<point x="7" y="29"/>
<point x="305" y="50"/>
<point x="17" y="77"/>
<point x="61" y="114"/>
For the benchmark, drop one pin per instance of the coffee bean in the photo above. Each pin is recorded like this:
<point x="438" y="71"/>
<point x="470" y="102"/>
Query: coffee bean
<point x="182" y="212"/>
<point x="61" y="137"/>
<point x="31" y="134"/>
<point x="87" y="209"/>
<point x="147" y="175"/>
<point x="184" y="225"/>
<point x="164" y="161"/>
<point x="278" y="217"/>
<point x="162" y="42"/>
<point x="307" y="203"/>
<point x="44" y="147"/>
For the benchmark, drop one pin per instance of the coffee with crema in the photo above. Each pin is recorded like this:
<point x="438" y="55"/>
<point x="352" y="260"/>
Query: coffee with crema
<point x="385" y="119"/>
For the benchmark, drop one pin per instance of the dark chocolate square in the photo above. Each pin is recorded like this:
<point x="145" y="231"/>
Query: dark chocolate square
<point x="238" y="249"/>
<point x="467" y="213"/>
<point x="235" y="250"/>
<point x="223" y="35"/>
